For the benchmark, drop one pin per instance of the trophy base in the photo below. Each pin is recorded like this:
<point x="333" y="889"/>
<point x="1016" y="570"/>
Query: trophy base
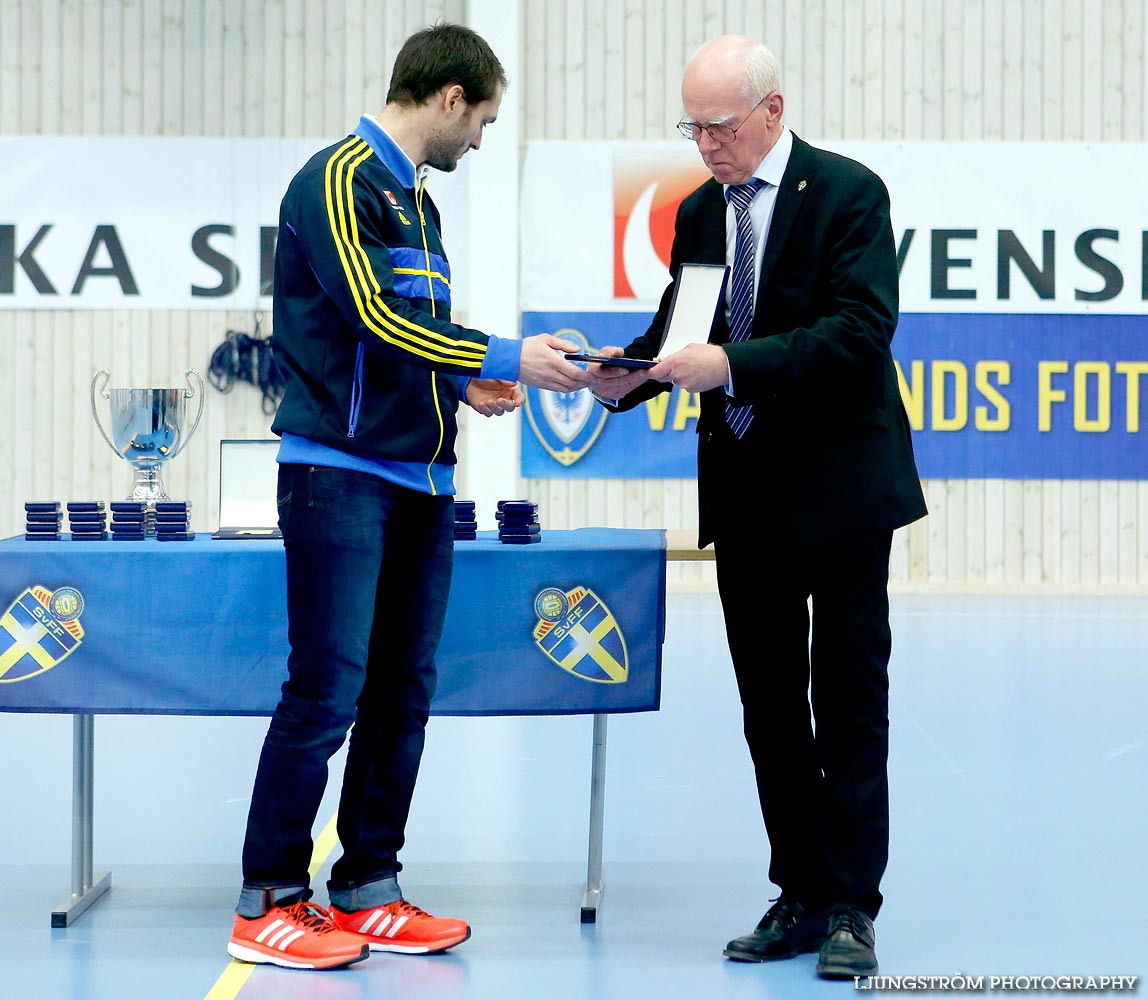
<point x="148" y="496"/>
<point x="147" y="487"/>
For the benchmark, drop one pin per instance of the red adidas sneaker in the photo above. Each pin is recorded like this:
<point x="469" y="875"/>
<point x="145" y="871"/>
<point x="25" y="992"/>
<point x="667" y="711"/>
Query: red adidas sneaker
<point x="299" y="936"/>
<point x="402" y="927"/>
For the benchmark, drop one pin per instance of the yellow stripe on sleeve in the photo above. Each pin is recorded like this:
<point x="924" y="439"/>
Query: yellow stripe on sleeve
<point x="372" y="308"/>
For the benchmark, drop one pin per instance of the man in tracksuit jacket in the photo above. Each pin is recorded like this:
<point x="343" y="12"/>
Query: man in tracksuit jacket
<point x="375" y="371"/>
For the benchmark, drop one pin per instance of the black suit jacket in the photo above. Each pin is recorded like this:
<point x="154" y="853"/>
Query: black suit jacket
<point x="829" y="444"/>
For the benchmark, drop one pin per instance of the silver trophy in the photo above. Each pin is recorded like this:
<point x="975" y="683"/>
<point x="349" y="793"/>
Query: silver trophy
<point x="147" y="429"/>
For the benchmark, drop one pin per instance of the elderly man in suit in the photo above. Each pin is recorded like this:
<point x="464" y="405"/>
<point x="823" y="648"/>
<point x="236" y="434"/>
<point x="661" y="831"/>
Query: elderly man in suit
<point x="805" y="468"/>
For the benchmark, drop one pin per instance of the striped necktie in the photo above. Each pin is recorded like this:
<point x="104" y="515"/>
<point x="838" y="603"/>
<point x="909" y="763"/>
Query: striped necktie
<point x="741" y="288"/>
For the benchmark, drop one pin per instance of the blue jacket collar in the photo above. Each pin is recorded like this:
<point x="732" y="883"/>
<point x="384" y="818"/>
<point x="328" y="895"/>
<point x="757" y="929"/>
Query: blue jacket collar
<point x="389" y="151"/>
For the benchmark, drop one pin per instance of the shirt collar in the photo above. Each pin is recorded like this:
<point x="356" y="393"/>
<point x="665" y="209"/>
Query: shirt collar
<point x="772" y="168"/>
<point x="390" y="152"/>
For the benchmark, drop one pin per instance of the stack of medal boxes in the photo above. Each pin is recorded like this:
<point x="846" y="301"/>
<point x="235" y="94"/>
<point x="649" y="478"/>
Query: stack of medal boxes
<point x="518" y="522"/>
<point x="87" y="520"/>
<point x="42" y="520"/>
<point x="173" y="521"/>
<point x="131" y="520"/>
<point x="465" y="521"/>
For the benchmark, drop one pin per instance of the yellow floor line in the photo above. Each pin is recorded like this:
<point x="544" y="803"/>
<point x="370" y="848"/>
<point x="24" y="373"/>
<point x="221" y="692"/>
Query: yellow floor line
<point x="324" y="845"/>
<point x="231" y="980"/>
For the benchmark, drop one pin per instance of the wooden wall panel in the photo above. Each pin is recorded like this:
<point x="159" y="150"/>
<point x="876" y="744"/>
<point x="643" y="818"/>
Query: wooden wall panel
<point x="968" y="70"/>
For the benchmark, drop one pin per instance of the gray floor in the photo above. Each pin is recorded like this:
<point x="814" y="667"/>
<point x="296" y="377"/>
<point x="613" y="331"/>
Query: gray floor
<point x="1020" y="800"/>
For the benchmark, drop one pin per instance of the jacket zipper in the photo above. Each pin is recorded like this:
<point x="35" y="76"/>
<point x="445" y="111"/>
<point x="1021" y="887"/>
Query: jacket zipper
<point x="419" y="188"/>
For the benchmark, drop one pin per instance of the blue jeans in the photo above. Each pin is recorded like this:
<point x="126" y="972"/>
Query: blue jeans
<point x="368" y="576"/>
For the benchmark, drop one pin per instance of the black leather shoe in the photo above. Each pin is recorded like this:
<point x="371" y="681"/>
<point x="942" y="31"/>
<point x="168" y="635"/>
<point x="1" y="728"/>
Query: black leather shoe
<point x="848" y="949"/>
<point x="787" y="929"/>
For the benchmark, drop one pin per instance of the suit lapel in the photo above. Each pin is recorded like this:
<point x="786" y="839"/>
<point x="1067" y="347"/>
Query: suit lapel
<point x="790" y="196"/>
<point x="711" y="244"/>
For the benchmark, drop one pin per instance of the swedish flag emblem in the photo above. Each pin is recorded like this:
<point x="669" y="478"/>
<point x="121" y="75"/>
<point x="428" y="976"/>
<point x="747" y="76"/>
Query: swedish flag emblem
<point x="39" y="629"/>
<point x="577" y="631"/>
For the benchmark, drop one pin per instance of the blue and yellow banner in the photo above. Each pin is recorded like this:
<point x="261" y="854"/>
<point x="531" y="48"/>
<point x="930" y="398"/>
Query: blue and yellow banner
<point x="988" y="396"/>
<point x="1011" y="396"/>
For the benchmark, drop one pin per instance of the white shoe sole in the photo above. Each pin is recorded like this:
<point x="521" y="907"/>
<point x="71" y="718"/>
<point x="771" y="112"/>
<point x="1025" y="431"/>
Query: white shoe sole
<point x="257" y="957"/>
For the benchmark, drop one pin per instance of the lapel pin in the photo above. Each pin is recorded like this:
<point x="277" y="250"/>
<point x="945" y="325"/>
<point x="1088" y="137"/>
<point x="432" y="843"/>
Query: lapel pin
<point x="801" y="185"/>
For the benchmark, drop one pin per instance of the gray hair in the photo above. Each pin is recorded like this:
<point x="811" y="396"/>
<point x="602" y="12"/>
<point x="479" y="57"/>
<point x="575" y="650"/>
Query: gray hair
<point x="762" y="72"/>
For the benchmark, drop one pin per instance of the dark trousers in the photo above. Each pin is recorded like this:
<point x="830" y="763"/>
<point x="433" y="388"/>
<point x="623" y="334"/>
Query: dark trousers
<point x="822" y="781"/>
<point x="368" y="576"/>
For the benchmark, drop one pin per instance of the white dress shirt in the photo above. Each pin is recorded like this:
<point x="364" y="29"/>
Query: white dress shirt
<point x="770" y="170"/>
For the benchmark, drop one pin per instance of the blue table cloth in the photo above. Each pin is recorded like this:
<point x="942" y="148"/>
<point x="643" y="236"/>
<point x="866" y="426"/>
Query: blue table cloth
<point x="571" y="625"/>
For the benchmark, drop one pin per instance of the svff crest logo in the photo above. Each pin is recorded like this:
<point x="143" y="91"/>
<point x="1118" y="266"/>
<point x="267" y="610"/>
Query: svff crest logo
<point x="648" y="188"/>
<point x="576" y="630"/>
<point x="39" y="630"/>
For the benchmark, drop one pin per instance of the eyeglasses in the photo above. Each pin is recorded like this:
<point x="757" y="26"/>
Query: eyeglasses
<point x="720" y="133"/>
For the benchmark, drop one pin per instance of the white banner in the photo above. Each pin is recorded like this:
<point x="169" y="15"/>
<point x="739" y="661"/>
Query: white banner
<point x="980" y="227"/>
<point x="158" y="223"/>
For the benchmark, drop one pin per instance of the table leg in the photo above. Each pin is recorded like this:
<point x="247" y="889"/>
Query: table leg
<point x="86" y="887"/>
<point x="594" y="887"/>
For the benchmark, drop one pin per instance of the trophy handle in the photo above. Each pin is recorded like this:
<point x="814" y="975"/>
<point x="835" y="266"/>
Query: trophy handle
<point x="188" y="393"/>
<point x="103" y="391"/>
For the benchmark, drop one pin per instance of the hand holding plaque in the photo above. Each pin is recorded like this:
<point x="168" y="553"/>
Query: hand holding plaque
<point x="698" y="299"/>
